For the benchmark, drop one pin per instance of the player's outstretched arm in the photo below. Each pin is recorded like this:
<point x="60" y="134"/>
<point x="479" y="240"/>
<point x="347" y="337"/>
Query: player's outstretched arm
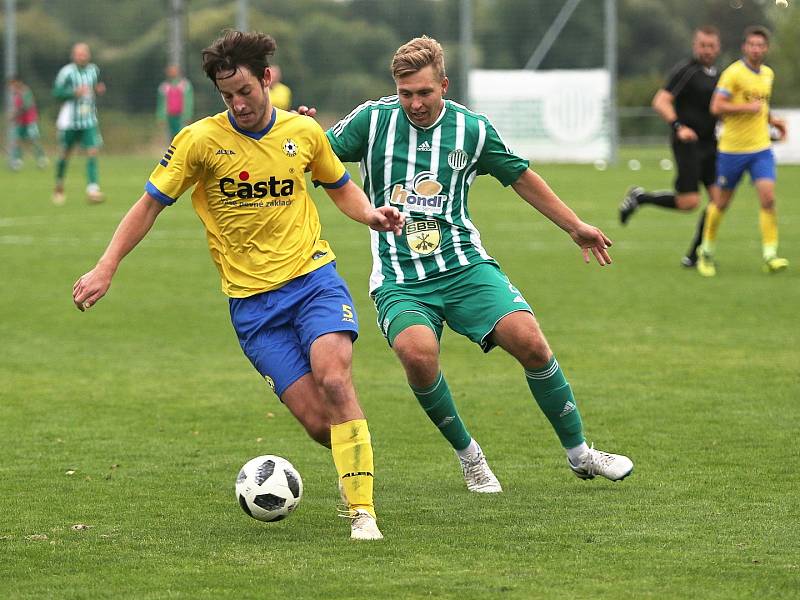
<point x="131" y="230"/>
<point x="351" y="200"/>
<point x="535" y="191"/>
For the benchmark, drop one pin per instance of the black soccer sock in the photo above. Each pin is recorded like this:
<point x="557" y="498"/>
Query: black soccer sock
<point x="698" y="236"/>
<point x="662" y="199"/>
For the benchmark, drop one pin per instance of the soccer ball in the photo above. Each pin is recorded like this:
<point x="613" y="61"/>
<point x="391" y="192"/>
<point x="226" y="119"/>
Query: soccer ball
<point x="268" y="488"/>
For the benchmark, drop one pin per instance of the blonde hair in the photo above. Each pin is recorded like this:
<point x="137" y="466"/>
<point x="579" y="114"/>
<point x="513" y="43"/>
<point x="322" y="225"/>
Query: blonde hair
<point x="416" y="55"/>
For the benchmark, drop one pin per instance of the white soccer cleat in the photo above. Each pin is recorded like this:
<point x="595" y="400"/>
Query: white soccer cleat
<point x="478" y="476"/>
<point x="93" y="194"/>
<point x="363" y="526"/>
<point x="596" y="462"/>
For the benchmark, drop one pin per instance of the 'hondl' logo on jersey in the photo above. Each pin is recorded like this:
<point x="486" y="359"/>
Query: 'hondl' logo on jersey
<point x="275" y="188"/>
<point x="425" y="196"/>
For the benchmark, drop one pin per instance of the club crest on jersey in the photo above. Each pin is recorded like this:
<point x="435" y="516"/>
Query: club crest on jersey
<point x="289" y="147"/>
<point x="425" y="196"/>
<point x="423" y="237"/>
<point x="457" y="159"/>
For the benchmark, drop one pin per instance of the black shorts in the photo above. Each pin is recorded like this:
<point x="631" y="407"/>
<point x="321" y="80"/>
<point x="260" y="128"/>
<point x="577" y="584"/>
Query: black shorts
<point x="696" y="162"/>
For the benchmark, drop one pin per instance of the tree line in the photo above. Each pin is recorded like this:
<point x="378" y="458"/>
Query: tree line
<point x="336" y="53"/>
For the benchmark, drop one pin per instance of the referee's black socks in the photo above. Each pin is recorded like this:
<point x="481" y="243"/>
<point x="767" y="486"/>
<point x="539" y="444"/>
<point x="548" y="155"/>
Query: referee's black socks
<point x="665" y="199"/>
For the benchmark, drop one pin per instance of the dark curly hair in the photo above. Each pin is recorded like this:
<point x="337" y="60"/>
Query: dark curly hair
<point x="238" y="49"/>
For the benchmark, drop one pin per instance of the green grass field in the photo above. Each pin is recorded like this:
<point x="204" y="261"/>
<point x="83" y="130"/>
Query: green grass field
<point x="135" y="417"/>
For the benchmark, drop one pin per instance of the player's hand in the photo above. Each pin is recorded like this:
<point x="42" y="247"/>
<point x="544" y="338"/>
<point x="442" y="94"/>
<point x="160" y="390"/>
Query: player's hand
<point x="592" y="240"/>
<point x="308" y="111"/>
<point x="91" y="287"/>
<point x="387" y="218"/>
<point x="100" y="88"/>
<point x="780" y="125"/>
<point x="686" y="134"/>
<point x="81" y="90"/>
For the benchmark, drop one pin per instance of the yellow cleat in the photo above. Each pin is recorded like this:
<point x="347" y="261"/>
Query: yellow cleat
<point x="775" y="265"/>
<point x="706" y="266"/>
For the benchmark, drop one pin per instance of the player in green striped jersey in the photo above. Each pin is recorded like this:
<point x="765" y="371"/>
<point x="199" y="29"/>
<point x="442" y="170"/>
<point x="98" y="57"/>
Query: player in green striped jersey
<point x="76" y="85"/>
<point x="421" y="153"/>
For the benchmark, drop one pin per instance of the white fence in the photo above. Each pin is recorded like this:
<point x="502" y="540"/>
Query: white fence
<point x="547" y="116"/>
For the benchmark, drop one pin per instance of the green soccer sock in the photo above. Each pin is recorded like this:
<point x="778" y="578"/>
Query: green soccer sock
<point x="91" y="169"/>
<point x="554" y="397"/>
<point x="61" y="168"/>
<point x="437" y="401"/>
<point x="38" y="150"/>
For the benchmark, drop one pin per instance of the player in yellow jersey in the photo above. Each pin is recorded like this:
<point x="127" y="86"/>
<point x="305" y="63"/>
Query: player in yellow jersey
<point x="741" y="100"/>
<point x="279" y="93"/>
<point x="292" y="313"/>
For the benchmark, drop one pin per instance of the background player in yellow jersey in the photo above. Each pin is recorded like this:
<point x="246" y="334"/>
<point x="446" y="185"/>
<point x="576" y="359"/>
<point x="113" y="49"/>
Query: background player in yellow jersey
<point x="741" y="100"/>
<point x="292" y="312"/>
<point x="279" y="93"/>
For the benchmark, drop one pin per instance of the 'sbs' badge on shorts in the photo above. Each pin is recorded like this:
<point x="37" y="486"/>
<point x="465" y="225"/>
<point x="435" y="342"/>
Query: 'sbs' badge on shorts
<point x="423" y="237"/>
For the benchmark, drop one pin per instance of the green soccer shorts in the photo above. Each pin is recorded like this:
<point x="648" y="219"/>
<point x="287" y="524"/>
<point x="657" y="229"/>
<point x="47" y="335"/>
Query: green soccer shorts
<point x="470" y="300"/>
<point x="87" y="138"/>
<point x="28" y="132"/>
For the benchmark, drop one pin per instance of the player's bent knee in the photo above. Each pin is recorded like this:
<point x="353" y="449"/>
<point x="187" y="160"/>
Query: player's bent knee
<point x="687" y="201"/>
<point x="537" y="356"/>
<point x="337" y="386"/>
<point x="421" y="363"/>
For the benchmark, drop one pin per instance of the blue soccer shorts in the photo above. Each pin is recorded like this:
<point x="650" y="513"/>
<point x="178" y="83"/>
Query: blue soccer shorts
<point x="276" y="328"/>
<point x="731" y="166"/>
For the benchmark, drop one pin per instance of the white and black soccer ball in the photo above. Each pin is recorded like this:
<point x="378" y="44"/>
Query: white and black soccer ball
<point x="269" y="488"/>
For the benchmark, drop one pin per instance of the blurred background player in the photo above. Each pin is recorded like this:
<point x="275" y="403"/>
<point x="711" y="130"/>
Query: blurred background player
<point x="684" y="103"/>
<point x="25" y="121"/>
<point x="741" y="100"/>
<point x="292" y="312"/>
<point x="76" y="85"/>
<point x="279" y="92"/>
<point x="175" y="101"/>
<point x="420" y="153"/>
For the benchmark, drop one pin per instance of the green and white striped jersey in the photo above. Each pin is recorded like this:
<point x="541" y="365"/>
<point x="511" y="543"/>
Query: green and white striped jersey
<point x="76" y="112"/>
<point x="426" y="173"/>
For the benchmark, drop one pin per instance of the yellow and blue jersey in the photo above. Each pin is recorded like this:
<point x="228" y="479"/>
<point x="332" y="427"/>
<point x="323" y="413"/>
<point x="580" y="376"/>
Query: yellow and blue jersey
<point x="745" y="132"/>
<point x="250" y="192"/>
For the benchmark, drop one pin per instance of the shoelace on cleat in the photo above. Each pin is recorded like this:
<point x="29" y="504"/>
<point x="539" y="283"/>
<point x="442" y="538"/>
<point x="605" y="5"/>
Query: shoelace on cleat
<point x="474" y="468"/>
<point x="597" y="459"/>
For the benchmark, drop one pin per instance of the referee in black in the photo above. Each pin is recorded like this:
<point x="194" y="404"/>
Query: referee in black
<point x="684" y="103"/>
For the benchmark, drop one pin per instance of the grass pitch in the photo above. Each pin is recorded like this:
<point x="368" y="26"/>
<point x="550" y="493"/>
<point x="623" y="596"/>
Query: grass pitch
<point x="133" y="419"/>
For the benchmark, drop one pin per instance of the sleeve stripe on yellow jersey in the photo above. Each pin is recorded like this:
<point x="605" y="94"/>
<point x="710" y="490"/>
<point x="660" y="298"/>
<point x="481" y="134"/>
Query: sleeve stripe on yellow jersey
<point x="336" y="184"/>
<point x="158" y="194"/>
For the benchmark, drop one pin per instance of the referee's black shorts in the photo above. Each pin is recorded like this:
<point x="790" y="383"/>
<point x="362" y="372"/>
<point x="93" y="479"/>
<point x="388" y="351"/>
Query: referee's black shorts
<point x="697" y="162"/>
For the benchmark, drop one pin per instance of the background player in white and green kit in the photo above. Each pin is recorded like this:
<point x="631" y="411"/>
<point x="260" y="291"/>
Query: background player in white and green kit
<point x="76" y="85"/>
<point x="421" y="153"/>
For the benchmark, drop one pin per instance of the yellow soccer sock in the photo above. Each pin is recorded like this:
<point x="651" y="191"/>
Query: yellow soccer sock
<point x="713" y="219"/>
<point x="768" y="223"/>
<point x="352" y="454"/>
